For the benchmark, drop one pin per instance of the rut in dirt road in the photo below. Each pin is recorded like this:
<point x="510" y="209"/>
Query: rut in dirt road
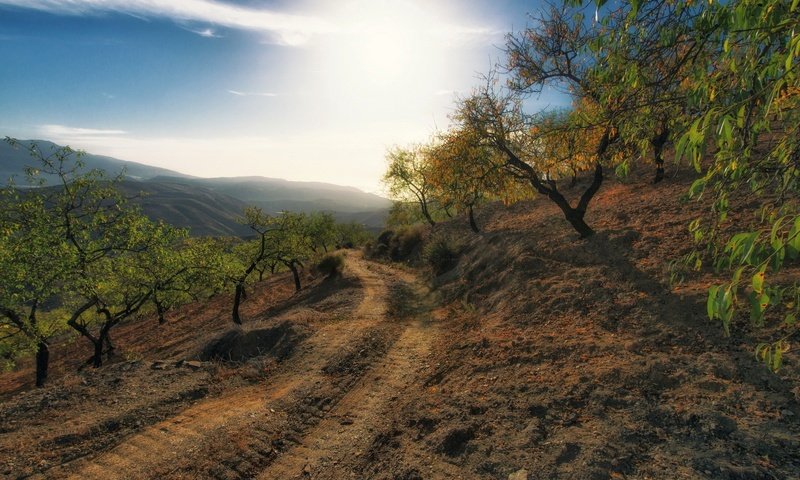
<point x="345" y="372"/>
<point x="333" y="448"/>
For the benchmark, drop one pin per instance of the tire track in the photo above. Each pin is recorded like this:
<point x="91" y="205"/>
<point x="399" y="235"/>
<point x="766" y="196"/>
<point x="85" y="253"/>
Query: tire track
<point x="153" y="452"/>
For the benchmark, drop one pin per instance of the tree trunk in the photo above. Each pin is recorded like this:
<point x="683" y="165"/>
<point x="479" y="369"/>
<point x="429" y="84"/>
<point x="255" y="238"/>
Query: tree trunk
<point x="575" y="218"/>
<point x="472" y="224"/>
<point x="427" y="215"/>
<point x="42" y="362"/>
<point x="161" y="311"/>
<point x="293" y="267"/>
<point x="97" y="357"/>
<point x="447" y="211"/>
<point x="237" y="300"/>
<point x="111" y="349"/>
<point x="658" y="142"/>
<point x="103" y="339"/>
<point x="575" y="215"/>
<point x="549" y="188"/>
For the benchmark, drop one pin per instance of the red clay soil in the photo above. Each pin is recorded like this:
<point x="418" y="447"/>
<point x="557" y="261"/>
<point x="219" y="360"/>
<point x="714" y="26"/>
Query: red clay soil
<point x="538" y="356"/>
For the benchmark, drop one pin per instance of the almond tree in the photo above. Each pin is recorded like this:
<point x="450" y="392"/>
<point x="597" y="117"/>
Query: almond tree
<point x="465" y="173"/>
<point x="553" y="53"/>
<point x="254" y="252"/>
<point x="409" y="177"/>
<point x="66" y="249"/>
<point x="34" y="267"/>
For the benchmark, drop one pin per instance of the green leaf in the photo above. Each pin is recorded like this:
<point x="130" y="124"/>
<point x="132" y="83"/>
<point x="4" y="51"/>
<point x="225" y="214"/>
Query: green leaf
<point x="790" y="320"/>
<point x="777" y="358"/>
<point x="758" y="280"/>
<point x="793" y="240"/>
<point x="711" y="303"/>
<point x="697" y="187"/>
<point x="758" y="305"/>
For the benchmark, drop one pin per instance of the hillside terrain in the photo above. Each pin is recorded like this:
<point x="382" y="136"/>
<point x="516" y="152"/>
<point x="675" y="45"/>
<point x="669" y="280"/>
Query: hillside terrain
<point x="210" y="206"/>
<point x="537" y="355"/>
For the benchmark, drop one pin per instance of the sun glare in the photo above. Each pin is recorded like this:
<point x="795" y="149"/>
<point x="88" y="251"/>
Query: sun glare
<point x="383" y="44"/>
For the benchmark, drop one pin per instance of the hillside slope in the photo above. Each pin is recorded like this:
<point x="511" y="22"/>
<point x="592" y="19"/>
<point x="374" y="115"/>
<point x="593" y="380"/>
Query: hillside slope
<point x="574" y="358"/>
<point x="203" y="211"/>
<point x="538" y="355"/>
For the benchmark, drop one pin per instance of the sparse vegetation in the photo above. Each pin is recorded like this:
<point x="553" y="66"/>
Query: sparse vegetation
<point x="440" y="253"/>
<point x="331" y="265"/>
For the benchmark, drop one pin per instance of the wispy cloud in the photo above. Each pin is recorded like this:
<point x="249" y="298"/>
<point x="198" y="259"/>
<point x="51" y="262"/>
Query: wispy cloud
<point x="52" y="130"/>
<point x="206" y="32"/>
<point x="282" y="28"/>
<point x="252" y="94"/>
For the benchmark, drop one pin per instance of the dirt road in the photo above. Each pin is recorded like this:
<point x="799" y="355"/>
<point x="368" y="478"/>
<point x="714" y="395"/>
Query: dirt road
<point x="315" y="416"/>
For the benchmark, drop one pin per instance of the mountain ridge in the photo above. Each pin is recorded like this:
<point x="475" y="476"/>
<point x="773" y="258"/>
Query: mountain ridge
<point x="210" y="206"/>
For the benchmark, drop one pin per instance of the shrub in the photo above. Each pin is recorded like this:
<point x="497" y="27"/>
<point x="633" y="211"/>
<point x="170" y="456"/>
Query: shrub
<point x="406" y="243"/>
<point x="441" y="253"/>
<point x="331" y="265"/>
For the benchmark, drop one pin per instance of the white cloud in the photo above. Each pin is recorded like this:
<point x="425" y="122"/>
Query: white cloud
<point x="282" y="28"/>
<point x="63" y="131"/>
<point x="252" y="94"/>
<point x="279" y="28"/>
<point x="206" y="32"/>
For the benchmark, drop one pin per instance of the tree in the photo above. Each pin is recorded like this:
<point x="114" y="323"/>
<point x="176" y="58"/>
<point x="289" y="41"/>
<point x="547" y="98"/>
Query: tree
<point x="117" y="286"/>
<point x="321" y="230"/>
<point x="645" y="50"/>
<point x="265" y="227"/>
<point x="498" y="119"/>
<point x="465" y="173"/>
<point x="553" y="53"/>
<point x="734" y="68"/>
<point x="182" y="269"/>
<point x="34" y="266"/>
<point x="297" y="237"/>
<point x="409" y="177"/>
<point x="71" y="250"/>
<point x="748" y="99"/>
<point x="351" y="234"/>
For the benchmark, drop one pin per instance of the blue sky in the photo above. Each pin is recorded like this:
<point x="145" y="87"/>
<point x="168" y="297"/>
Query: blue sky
<point x="303" y="90"/>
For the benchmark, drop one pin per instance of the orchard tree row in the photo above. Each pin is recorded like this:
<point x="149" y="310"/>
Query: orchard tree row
<point x="714" y="82"/>
<point x="77" y="255"/>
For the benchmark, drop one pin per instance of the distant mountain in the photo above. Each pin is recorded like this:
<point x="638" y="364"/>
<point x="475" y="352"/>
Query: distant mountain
<point x="204" y="211"/>
<point x="273" y="194"/>
<point x="210" y="206"/>
<point x="14" y="161"/>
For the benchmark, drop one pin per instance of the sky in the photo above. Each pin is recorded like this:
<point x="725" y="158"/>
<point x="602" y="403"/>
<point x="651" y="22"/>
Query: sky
<point x="313" y="90"/>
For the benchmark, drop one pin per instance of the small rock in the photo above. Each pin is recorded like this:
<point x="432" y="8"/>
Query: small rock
<point x="519" y="475"/>
<point x="787" y="413"/>
<point x="193" y="364"/>
<point x="159" y="365"/>
<point x="346" y="421"/>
